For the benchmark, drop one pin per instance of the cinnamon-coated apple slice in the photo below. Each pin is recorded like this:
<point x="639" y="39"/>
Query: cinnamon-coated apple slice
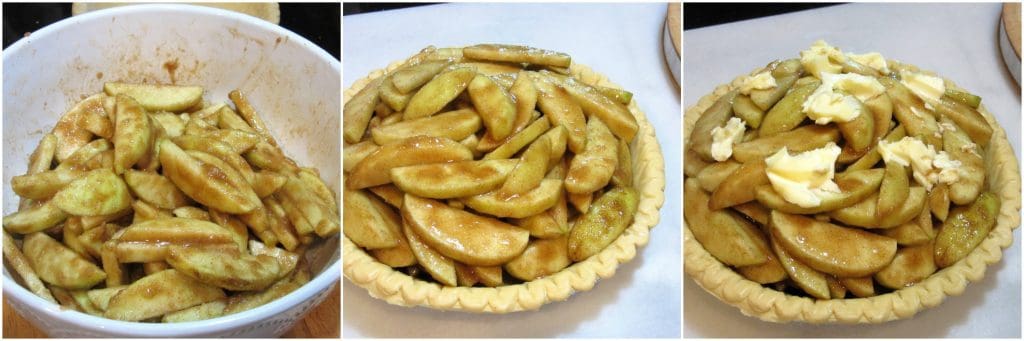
<point x="463" y="236"/>
<point x="840" y="251"/>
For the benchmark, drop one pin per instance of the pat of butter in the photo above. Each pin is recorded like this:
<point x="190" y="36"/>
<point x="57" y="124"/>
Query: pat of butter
<point x="805" y="178"/>
<point x="873" y="60"/>
<point x="859" y="86"/>
<point x="762" y="81"/>
<point x="928" y="88"/>
<point x="723" y="138"/>
<point x="825" y="105"/>
<point x="822" y="58"/>
<point x="928" y="166"/>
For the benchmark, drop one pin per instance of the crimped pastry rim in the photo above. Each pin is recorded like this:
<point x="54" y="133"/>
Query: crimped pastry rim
<point x="753" y="299"/>
<point x="395" y="287"/>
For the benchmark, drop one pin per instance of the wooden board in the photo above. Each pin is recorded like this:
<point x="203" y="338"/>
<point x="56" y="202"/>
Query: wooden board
<point x="674" y="13"/>
<point x="1011" y="19"/>
<point x="324" y="321"/>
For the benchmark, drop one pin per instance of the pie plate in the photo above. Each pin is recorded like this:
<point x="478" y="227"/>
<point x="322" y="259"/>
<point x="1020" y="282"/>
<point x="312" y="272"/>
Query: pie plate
<point x="753" y="299"/>
<point x="396" y="287"/>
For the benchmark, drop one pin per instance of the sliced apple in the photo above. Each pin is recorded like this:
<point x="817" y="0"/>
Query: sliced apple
<point x="99" y="192"/>
<point x="548" y="224"/>
<point x="173" y="98"/>
<point x="535" y="201"/>
<point x="860" y="286"/>
<point x="469" y="275"/>
<point x="591" y="169"/>
<point x="516" y="54"/>
<point x="965" y="228"/>
<point x="911" y="265"/>
<point x="797" y="140"/>
<point x="726" y="235"/>
<point x="155" y="189"/>
<point x="854" y="187"/>
<point x="755" y="211"/>
<point x="494" y="105"/>
<point x="736" y="188"/>
<point x="375" y="168"/>
<point x="559" y="107"/>
<point x="967" y="118"/>
<point x="714" y="174"/>
<point x="463" y="236"/>
<point x="972" y="165"/>
<point x="532" y="166"/>
<point x="859" y="132"/>
<point x="908" y="234"/>
<point x="517" y="141"/>
<point x="437" y="93"/>
<point x="455" y="125"/>
<point x="542" y="257"/>
<point x="840" y="251"/>
<point x="58" y="265"/>
<point x="864" y="213"/>
<point x="412" y="77"/>
<point x="441" y="268"/>
<point x="771" y="271"/>
<point x="813" y="282"/>
<point x="894" y="189"/>
<point x="938" y="201"/>
<point x="35" y="219"/>
<point x="453" y="179"/>
<point x="160" y="293"/>
<point x="44" y="184"/>
<point x="227" y="268"/>
<point x="355" y="153"/>
<point x="370" y="223"/>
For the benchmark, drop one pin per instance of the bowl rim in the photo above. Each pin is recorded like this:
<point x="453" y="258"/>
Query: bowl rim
<point x="323" y="281"/>
<point x="766" y="304"/>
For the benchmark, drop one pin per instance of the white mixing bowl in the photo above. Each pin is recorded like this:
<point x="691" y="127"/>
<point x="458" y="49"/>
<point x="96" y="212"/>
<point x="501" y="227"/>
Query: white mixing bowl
<point x="293" y="84"/>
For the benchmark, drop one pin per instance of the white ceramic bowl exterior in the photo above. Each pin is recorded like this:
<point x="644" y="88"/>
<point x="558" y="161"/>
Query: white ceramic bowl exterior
<point x="294" y="85"/>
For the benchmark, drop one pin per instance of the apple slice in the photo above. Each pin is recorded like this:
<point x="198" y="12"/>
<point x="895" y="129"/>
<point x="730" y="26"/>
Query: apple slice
<point x="859" y="286"/>
<point x="535" y="201"/>
<point x="463" y="236"/>
<point x="911" y="265"/>
<point x="441" y="268"/>
<point x="173" y="98"/>
<point x="160" y="293"/>
<point x="854" y="187"/>
<point x="541" y="258"/>
<point x="725" y="234"/>
<point x="58" y="265"/>
<point x="99" y="192"/>
<point x="375" y="169"/>
<point x="958" y="144"/>
<point x="226" y="268"/>
<point x="455" y="125"/>
<point x="864" y="214"/>
<point x="453" y="179"/>
<point x="813" y="282"/>
<point x="832" y="249"/>
<point x="770" y="272"/>
<point x="736" y="188"/>
<point x="370" y="223"/>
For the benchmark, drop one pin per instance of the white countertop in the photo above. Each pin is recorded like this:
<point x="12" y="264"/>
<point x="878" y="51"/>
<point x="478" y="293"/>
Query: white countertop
<point x="622" y="42"/>
<point x="959" y="42"/>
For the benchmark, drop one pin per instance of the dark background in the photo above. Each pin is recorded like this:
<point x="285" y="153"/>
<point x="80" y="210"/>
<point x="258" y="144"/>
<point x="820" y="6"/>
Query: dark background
<point x="356" y="8"/>
<point x="707" y="14"/>
<point x="318" y="22"/>
<point x="694" y="14"/>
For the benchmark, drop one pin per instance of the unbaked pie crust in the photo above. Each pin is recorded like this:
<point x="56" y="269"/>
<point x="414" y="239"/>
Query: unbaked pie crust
<point x="395" y="287"/>
<point x="755" y="300"/>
